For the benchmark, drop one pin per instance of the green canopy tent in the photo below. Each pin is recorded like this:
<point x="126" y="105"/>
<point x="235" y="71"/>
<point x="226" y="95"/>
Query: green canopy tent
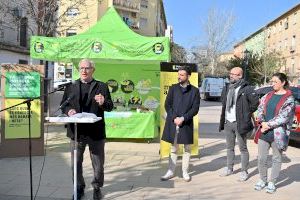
<point x="110" y="40"/>
<point x="127" y="61"/>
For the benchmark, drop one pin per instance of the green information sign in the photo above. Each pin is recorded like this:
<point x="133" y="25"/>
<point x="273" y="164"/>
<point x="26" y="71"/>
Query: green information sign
<point x="130" y="125"/>
<point x="22" y="85"/>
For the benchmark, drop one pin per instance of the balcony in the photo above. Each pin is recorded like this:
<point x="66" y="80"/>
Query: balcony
<point x="292" y="49"/>
<point x="126" y="6"/>
<point x="133" y="24"/>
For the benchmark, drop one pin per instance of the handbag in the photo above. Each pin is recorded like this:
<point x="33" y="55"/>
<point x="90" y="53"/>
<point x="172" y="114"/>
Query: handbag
<point x="257" y="134"/>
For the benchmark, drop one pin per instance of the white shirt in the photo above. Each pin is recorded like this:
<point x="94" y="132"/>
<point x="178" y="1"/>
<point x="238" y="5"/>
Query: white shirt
<point x="231" y="114"/>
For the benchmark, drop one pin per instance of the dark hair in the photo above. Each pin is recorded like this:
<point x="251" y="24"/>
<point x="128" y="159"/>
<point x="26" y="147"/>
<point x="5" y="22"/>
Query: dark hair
<point x="282" y="77"/>
<point x="185" y="68"/>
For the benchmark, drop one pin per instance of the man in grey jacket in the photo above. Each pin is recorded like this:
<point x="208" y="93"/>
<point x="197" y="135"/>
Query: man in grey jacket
<point x="239" y="101"/>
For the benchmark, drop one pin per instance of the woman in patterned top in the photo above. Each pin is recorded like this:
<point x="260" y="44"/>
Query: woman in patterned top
<point x="275" y="116"/>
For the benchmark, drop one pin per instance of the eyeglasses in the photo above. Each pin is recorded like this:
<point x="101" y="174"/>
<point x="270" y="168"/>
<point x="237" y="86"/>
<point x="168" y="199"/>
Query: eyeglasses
<point x="85" y="68"/>
<point x="232" y="74"/>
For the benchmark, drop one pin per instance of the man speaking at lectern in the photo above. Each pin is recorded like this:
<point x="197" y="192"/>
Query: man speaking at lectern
<point x="88" y="95"/>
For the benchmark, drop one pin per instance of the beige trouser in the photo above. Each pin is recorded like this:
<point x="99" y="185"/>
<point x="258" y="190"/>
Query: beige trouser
<point x="185" y="157"/>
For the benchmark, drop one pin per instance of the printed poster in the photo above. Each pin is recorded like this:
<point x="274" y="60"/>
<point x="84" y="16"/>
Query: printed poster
<point x="16" y="119"/>
<point x="168" y="77"/>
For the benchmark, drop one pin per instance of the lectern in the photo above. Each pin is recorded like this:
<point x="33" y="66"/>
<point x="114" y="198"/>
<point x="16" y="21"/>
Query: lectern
<point x="76" y="119"/>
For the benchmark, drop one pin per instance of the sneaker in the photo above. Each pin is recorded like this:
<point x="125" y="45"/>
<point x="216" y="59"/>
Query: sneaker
<point x="167" y="176"/>
<point x="260" y="185"/>
<point x="186" y="177"/>
<point x="271" y="188"/>
<point x="226" y="172"/>
<point x="243" y="176"/>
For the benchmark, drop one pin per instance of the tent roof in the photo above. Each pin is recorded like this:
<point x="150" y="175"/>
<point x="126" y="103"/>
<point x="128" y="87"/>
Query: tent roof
<point x="109" y="40"/>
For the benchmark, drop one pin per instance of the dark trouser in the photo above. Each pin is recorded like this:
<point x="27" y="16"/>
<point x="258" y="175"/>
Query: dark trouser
<point x="97" y="156"/>
<point x="231" y="134"/>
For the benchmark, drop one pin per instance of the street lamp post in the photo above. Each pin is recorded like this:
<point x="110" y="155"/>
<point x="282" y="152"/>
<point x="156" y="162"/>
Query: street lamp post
<point x="245" y="64"/>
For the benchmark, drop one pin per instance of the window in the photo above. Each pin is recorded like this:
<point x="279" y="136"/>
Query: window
<point x="25" y="62"/>
<point x="293" y="66"/>
<point x="133" y="14"/>
<point x="23" y="32"/>
<point x="274" y="29"/>
<point x="72" y="12"/>
<point x="293" y="45"/>
<point x="294" y="41"/>
<point x="295" y="17"/>
<point x="286" y="43"/>
<point x="1" y="30"/>
<point x="126" y="20"/>
<point x="143" y="22"/>
<point x="279" y="45"/>
<point x="144" y="3"/>
<point x="71" y="32"/>
<point x="286" y="23"/>
<point x="1" y="33"/>
<point x="280" y="25"/>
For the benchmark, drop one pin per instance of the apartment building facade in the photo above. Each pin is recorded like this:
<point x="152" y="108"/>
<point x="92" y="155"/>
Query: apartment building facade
<point x="145" y="17"/>
<point x="16" y="27"/>
<point x="280" y="35"/>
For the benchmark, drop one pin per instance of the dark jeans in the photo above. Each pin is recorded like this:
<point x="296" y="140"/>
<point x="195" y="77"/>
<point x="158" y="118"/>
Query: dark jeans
<point x="97" y="156"/>
<point x="231" y="135"/>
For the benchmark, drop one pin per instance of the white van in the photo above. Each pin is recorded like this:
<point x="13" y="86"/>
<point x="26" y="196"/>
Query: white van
<point x="211" y="88"/>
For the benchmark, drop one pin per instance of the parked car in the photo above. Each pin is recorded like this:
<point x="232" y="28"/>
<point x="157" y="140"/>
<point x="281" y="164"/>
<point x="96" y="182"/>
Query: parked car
<point x="295" y="132"/>
<point x="211" y="88"/>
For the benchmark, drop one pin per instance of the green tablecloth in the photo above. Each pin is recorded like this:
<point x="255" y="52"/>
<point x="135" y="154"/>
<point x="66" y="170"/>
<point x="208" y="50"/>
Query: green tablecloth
<point x="130" y="125"/>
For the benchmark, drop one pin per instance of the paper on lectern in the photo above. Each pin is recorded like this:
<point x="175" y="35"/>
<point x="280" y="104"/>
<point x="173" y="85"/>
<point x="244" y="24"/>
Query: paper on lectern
<point x="76" y="118"/>
<point x="84" y="115"/>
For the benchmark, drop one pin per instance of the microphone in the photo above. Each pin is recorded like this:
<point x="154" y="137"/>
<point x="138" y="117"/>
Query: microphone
<point x="65" y="102"/>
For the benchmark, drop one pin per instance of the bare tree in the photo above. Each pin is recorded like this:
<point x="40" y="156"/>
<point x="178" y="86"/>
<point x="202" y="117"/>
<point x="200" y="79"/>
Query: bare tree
<point x="261" y="67"/>
<point x="217" y="28"/>
<point x="178" y="53"/>
<point x="267" y="64"/>
<point x="45" y="16"/>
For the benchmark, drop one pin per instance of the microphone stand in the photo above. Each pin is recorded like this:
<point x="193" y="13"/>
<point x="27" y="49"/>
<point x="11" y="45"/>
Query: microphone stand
<point x="28" y="102"/>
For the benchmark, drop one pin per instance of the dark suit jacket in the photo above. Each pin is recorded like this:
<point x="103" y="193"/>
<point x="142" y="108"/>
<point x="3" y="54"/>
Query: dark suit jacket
<point x="96" y="130"/>
<point x="246" y="104"/>
<point x="185" y="104"/>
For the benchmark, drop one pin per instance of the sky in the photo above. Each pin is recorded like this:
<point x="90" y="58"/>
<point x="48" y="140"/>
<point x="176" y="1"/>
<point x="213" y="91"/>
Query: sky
<point x="187" y="16"/>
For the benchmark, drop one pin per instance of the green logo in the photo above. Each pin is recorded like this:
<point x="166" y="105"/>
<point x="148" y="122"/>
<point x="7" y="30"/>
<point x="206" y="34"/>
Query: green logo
<point x="97" y="47"/>
<point x="127" y="86"/>
<point x="38" y="47"/>
<point x="158" y="48"/>
<point x="112" y="85"/>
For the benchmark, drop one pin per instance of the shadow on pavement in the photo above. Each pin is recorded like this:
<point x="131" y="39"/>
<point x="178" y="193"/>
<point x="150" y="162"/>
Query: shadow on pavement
<point x="289" y="175"/>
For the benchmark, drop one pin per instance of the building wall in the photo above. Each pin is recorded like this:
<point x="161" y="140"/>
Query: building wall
<point x="224" y="57"/>
<point x="12" y="57"/>
<point x="77" y="16"/>
<point x="11" y="48"/>
<point x="145" y="17"/>
<point x="282" y="35"/>
<point x="257" y="43"/>
<point x="238" y="50"/>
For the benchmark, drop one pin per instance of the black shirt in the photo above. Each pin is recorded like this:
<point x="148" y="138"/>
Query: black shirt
<point x="84" y="92"/>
